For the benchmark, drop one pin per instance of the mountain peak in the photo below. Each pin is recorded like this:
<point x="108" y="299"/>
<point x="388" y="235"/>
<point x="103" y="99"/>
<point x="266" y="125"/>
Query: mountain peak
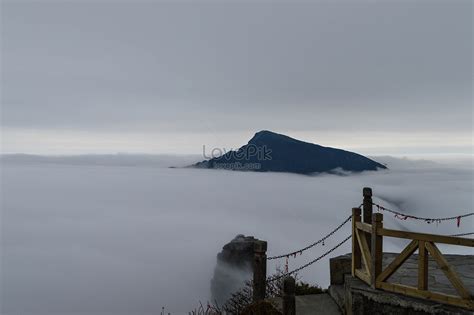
<point x="265" y="133"/>
<point x="269" y="151"/>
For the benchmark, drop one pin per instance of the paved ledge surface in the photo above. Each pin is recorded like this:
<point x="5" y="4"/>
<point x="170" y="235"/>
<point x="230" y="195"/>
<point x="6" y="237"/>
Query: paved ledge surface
<point x="313" y="304"/>
<point x="407" y="274"/>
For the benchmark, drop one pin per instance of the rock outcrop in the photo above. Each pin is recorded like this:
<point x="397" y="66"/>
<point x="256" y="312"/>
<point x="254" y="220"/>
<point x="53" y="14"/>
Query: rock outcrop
<point x="233" y="268"/>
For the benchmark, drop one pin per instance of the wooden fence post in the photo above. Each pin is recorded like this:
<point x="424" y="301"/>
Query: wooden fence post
<point x="367" y="193"/>
<point x="367" y="215"/>
<point x="259" y="270"/>
<point x="356" y="258"/>
<point x="422" y="266"/>
<point x="289" y="289"/>
<point x="376" y="248"/>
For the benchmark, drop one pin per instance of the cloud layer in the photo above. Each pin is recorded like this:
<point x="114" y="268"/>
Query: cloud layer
<point x="97" y="239"/>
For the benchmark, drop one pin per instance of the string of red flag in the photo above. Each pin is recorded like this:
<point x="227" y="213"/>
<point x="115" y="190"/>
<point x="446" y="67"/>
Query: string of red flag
<point x="403" y="216"/>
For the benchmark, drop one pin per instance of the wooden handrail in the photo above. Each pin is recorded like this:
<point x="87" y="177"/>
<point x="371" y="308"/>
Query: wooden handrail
<point x="356" y="257"/>
<point x="364" y="250"/>
<point x="367" y="256"/>
<point x="400" y="259"/>
<point x="450" y="274"/>
<point x="434" y="296"/>
<point x="422" y="266"/>
<point x="452" y="240"/>
<point x="364" y="227"/>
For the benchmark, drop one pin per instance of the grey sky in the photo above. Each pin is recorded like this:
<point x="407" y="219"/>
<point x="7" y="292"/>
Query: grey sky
<point x="98" y="71"/>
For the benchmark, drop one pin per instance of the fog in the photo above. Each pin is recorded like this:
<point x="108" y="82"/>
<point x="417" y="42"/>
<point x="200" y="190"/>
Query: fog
<point x="87" y="237"/>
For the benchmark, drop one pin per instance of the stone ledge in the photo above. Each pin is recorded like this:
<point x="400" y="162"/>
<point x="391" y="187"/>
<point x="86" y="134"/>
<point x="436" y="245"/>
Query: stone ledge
<point x="364" y="300"/>
<point x="355" y="297"/>
<point x="337" y="292"/>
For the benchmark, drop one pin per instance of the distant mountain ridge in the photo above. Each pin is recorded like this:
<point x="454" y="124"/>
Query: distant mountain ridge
<point x="272" y="152"/>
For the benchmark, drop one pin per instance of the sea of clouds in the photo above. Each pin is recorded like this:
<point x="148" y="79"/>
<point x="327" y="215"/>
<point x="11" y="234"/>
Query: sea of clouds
<point x="125" y="234"/>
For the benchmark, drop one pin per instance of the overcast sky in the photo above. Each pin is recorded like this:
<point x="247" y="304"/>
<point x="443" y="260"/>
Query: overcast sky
<point x="162" y="77"/>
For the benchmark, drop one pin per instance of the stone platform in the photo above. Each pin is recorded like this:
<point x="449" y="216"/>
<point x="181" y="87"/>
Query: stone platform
<point x="355" y="297"/>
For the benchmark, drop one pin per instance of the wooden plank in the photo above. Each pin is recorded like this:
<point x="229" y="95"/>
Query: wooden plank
<point x="359" y="273"/>
<point x="356" y="259"/>
<point x="427" y="295"/>
<point x="450" y="274"/>
<point x="364" y="227"/>
<point x="364" y="249"/>
<point x="376" y="248"/>
<point x="400" y="259"/>
<point x="422" y="266"/>
<point x="427" y="237"/>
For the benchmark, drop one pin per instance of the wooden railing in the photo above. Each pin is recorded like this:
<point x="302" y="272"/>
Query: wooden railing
<point x="367" y="256"/>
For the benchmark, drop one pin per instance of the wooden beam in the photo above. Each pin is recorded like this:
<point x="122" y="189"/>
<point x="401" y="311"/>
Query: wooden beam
<point x="367" y="202"/>
<point x="376" y="249"/>
<point x="427" y="237"/>
<point x="359" y="273"/>
<point x="427" y="295"/>
<point x="364" y="249"/>
<point x="422" y="266"/>
<point x="400" y="259"/>
<point x="450" y="274"/>
<point x="368" y="207"/>
<point x="356" y="259"/>
<point x="364" y="227"/>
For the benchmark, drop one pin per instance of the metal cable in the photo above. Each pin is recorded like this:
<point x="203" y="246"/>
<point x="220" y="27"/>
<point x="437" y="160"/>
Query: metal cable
<point x="300" y="251"/>
<point x="463" y="234"/>
<point x="310" y="263"/>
